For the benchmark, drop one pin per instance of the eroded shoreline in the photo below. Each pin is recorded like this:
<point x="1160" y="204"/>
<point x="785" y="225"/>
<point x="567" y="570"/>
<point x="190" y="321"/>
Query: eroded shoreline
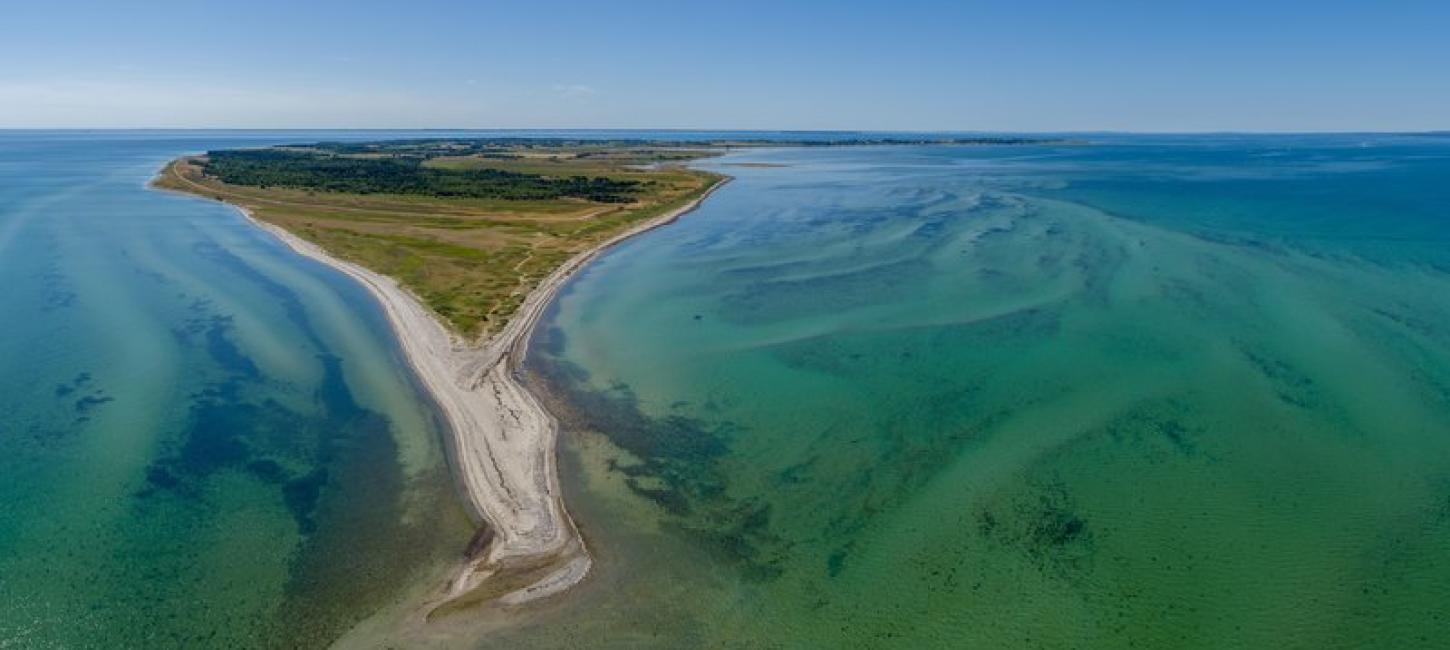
<point x="502" y="438"/>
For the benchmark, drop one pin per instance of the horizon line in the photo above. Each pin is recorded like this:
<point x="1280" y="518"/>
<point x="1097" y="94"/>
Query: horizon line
<point x="1445" y="131"/>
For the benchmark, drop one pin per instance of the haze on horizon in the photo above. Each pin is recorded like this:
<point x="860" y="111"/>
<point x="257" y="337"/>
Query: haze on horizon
<point x="913" y="65"/>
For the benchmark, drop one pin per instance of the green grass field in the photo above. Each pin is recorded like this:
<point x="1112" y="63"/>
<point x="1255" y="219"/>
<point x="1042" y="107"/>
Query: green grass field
<point x="471" y="259"/>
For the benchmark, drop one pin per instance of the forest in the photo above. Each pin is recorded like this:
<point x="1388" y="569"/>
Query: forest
<point x="327" y="172"/>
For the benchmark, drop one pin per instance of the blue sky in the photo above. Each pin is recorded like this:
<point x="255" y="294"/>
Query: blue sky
<point x="899" y="65"/>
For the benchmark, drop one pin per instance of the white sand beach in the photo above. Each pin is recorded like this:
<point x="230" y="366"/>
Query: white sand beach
<point x="503" y="438"/>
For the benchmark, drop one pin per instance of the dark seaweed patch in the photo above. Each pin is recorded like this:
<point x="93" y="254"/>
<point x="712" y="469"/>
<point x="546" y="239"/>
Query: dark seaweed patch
<point x="675" y="467"/>
<point x="1151" y="423"/>
<point x="738" y="532"/>
<point x="291" y="305"/>
<point x="58" y="293"/>
<point x="162" y="478"/>
<point x="301" y="495"/>
<point x="548" y="340"/>
<point x="267" y="470"/>
<point x="80" y="381"/>
<point x="224" y="351"/>
<point x="333" y="466"/>
<point x="1415" y="324"/>
<point x="930" y="228"/>
<point x="1097" y="263"/>
<point x="798" y="473"/>
<point x="1042" y="523"/>
<point x="1187" y="296"/>
<point x="86" y="404"/>
<point x="1290" y="385"/>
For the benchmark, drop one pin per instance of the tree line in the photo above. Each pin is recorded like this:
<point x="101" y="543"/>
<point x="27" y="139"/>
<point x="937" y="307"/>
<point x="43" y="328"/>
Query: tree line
<point x="402" y="175"/>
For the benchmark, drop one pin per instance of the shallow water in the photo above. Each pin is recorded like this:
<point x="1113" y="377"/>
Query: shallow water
<point x="1155" y="391"/>
<point x="207" y="440"/>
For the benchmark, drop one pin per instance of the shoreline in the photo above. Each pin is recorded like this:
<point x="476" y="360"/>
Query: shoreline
<point x="501" y="438"/>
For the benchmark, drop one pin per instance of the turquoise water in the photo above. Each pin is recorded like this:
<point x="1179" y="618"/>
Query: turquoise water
<point x="207" y="441"/>
<point x="1152" y="392"/>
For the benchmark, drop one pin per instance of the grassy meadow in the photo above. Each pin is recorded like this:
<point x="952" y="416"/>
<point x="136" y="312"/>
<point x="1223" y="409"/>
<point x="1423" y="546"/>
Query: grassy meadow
<point x="470" y="229"/>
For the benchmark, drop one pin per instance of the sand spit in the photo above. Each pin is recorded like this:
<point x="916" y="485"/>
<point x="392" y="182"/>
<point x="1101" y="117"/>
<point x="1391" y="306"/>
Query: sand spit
<point x="503" y="438"/>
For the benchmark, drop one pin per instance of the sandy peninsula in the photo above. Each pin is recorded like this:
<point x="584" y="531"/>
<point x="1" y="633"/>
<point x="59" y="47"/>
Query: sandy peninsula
<point x="503" y="439"/>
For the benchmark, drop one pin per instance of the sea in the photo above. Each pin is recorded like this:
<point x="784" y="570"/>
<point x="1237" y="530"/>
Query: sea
<point x="1128" y="391"/>
<point x="207" y="441"/>
<point x="1109" y="391"/>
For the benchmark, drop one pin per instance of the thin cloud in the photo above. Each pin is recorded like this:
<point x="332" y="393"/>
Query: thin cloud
<point x="573" y="91"/>
<point x="60" y="103"/>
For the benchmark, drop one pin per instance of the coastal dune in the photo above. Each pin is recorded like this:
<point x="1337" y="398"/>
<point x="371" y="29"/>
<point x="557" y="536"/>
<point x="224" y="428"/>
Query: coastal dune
<point x="503" y="439"/>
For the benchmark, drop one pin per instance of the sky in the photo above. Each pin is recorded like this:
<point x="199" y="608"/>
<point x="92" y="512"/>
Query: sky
<point x="904" y="65"/>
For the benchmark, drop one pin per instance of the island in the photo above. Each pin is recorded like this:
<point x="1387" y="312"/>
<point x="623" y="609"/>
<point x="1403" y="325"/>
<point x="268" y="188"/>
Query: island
<point x="464" y="242"/>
